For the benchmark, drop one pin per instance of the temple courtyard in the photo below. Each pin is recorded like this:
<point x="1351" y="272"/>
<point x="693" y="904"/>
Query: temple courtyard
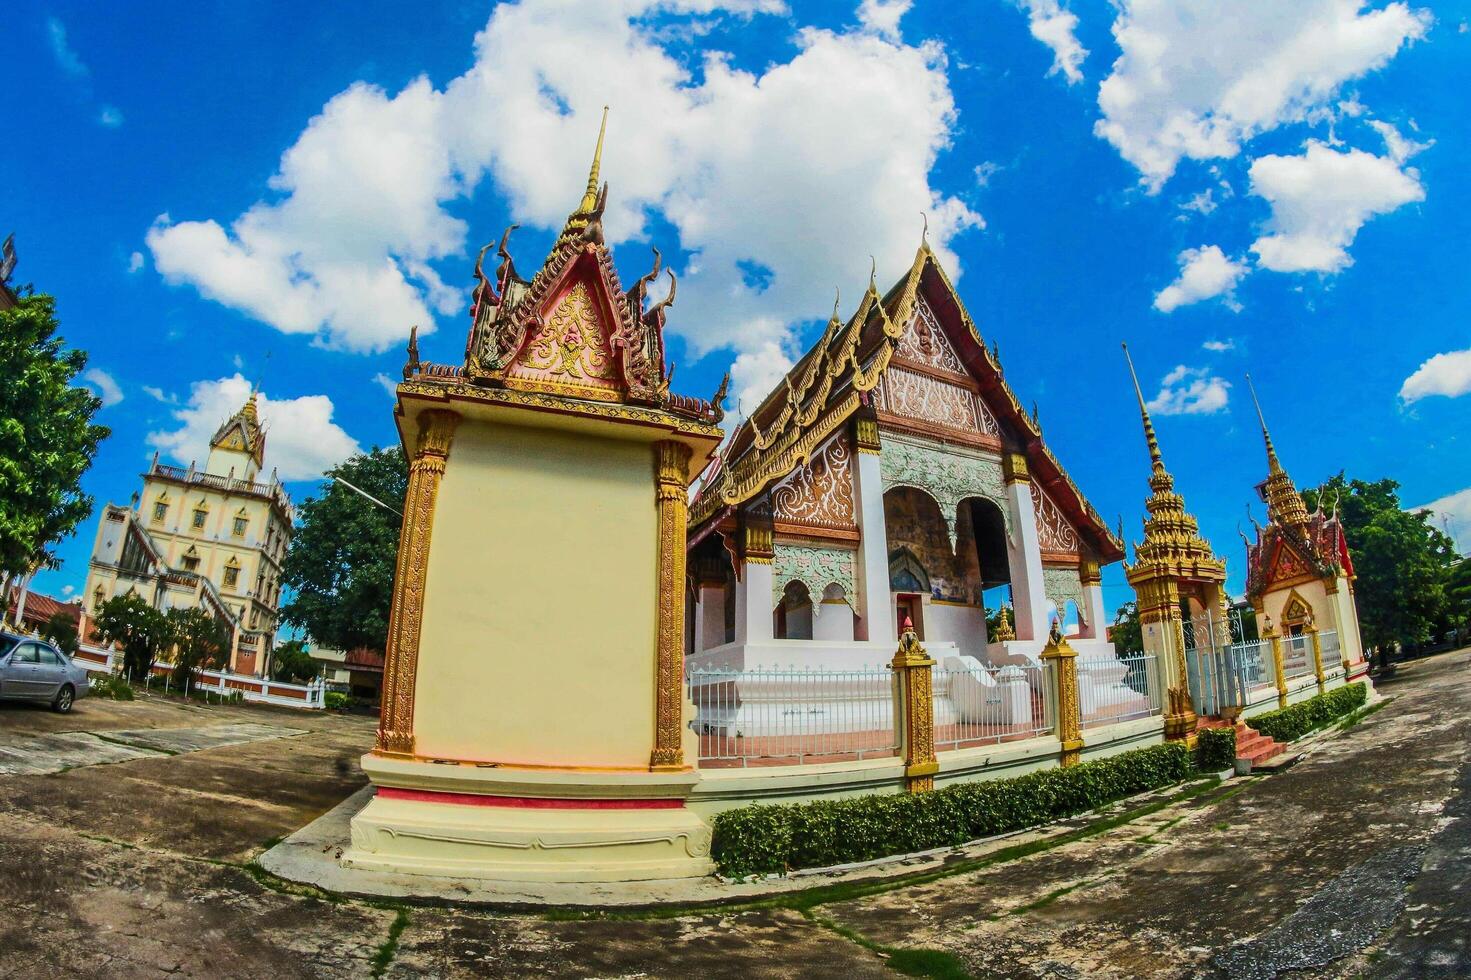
<point x="128" y="833"/>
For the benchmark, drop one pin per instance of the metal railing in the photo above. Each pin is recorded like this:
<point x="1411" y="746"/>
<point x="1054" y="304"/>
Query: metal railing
<point x="1230" y="676"/>
<point x="791" y="717"/>
<point x="1115" y="689"/>
<point x="1297" y="655"/>
<point x="985" y="705"/>
<point x="1332" y="653"/>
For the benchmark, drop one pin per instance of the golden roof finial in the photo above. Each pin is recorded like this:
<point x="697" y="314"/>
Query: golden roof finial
<point x="1155" y="456"/>
<point x="1284" y="503"/>
<point x="590" y="196"/>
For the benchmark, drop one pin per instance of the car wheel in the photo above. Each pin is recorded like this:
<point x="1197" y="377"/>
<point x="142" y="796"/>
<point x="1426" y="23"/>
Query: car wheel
<point x="64" y="699"/>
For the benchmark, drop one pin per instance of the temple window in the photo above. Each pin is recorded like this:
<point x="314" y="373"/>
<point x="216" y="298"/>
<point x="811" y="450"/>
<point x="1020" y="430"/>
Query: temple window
<point x="191" y="560"/>
<point x="160" y="509"/>
<point x="232" y="574"/>
<point x="241" y="522"/>
<point x="199" y="515"/>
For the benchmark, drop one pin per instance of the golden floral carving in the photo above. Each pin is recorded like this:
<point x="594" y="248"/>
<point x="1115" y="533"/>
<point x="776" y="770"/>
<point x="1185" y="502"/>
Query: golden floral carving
<point x="1064" y="662"/>
<point x="820" y="491"/>
<point x="1053" y="530"/>
<point x="913" y="666"/>
<point x="401" y="660"/>
<point x="671" y="467"/>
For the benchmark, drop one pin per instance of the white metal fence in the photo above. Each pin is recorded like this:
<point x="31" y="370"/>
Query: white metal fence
<point x="100" y="660"/>
<point x="1115" y="689"/>
<point x="984" y="705"/>
<point x="1332" y="653"/>
<point x="789" y="717"/>
<point x="1297" y="656"/>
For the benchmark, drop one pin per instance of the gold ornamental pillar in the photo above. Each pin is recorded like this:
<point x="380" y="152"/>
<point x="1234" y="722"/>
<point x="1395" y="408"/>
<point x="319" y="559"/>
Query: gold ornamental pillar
<point x="916" y="718"/>
<point x="671" y="496"/>
<point x="401" y="659"/>
<point x="1274" y="635"/>
<point x="1318" y="658"/>
<point x="1064" y="678"/>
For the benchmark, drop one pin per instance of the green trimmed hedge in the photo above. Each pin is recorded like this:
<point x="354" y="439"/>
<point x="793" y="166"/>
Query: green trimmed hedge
<point x="1215" y="749"/>
<point x="767" y="838"/>
<point x="1293" y="722"/>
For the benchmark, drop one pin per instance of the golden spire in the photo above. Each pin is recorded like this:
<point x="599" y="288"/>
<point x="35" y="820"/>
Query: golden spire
<point x="590" y="196"/>
<point x="1284" y="503"/>
<point x="1155" y="457"/>
<point x="1172" y="545"/>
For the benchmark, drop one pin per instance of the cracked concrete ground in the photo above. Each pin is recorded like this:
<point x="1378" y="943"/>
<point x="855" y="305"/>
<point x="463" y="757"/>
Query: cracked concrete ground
<point x="1356" y="862"/>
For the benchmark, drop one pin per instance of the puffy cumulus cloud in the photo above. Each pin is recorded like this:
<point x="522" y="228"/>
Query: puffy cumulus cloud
<point x="883" y="16"/>
<point x="105" y="385"/>
<point x="1447" y="374"/>
<point x="1399" y="147"/>
<point x="1205" y="272"/>
<point x="1196" y="78"/>
<point x="1453" y="513"/>
<point x="1320" y="199"/>
<point x="1056" y="27"/>
<point x="1190" y="391"/>
<point x="302" y="441"/>
<point x="767" y="168"/>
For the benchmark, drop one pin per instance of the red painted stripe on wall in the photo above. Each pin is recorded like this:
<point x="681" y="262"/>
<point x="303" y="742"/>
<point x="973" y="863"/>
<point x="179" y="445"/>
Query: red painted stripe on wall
<point x="523" y="802"/>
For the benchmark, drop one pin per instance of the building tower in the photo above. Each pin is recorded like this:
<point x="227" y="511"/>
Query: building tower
<point x="212" y="539"/>
<point x="1179" y="582"/>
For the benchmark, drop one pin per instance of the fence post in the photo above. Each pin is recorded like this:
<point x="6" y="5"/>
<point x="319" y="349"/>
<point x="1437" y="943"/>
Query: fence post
<point x="1064" y="678"/>
<point x="1274" y="636"/>
<point x="1318" y="658"/>
<point x="916" y="721"/>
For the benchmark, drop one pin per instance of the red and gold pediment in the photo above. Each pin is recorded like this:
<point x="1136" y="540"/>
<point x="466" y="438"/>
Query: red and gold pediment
<point x="1287" y="564"/>
<point x="927" y="383"/>
<point x="568" y="348"/>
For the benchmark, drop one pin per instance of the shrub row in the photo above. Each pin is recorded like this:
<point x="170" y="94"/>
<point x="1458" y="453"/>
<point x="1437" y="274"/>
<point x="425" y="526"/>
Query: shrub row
<point x="774" y="838"/>
<point x="1295" y="721"/>
<point x="110" y="686"/>
<point x="337" y="701"/>
<point x="1215" y="749"/>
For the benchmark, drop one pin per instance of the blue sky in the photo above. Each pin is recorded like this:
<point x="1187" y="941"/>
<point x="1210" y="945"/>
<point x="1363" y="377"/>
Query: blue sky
<point x="221" y="193"/>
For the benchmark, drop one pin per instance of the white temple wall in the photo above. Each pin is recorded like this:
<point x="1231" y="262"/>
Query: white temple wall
<point x="833" y="622"/>
<point x="753" y="612"/>
<point x="1024" y="556"/>
<point x="872" y="561"/>
<point x="953" y="622"/>
<point x="710" y="617"/>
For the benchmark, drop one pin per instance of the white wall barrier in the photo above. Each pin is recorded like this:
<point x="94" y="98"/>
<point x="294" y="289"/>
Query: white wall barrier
<point x="99" y="660"/>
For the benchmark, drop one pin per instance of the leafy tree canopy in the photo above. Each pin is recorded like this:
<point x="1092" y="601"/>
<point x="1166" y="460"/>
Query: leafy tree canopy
<point x="47" y="439"/>
<point x="341" y="564"/>
<point x="1126" y="633"/>
<point x="292" y="663"/>
<point x="1403" y="562"/>
<point x="61" y="631"/>
<point x="135" y="626"/>
<point x="195" y="639"/>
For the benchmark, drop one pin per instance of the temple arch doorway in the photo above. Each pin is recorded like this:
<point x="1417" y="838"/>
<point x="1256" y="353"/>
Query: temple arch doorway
<point x="794" y="613"/>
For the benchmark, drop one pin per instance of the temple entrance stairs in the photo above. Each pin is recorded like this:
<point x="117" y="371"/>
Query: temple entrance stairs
<point x="1250" y="743"/>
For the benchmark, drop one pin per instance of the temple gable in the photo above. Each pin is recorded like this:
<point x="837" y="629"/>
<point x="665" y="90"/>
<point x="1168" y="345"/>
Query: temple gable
<point x="1055" y="533"/>
<point x="819" y="492"/>
<point x="570" y="351"/>
<point x="916" y="386"/>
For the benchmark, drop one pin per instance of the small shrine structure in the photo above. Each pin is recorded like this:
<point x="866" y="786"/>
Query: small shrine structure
<point x="1300" y="574"/>
<point x="530" y="732"/>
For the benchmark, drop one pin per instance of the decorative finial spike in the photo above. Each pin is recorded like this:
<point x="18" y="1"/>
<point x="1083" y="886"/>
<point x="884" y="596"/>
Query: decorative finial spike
<point x="1155" y="456"/>
<point x="837" y="299"/>
<point x="590" y="196"/>
<point x="1273" y="464"/>
<point x="924" y="235"/>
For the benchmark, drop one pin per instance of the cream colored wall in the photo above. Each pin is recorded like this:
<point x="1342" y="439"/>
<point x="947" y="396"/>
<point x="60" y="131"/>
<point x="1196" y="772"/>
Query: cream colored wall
<point x="1313" y="593"/>
<point x="548" y="659"/>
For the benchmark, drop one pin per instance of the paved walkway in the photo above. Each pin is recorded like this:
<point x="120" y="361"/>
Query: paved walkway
<point x="1352" y="863"/>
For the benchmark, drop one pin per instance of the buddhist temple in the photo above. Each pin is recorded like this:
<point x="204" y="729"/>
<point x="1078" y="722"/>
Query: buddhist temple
<point x="1299" y="571"/>
<point x="211" y="538"/>
<point x="893" y="478"/>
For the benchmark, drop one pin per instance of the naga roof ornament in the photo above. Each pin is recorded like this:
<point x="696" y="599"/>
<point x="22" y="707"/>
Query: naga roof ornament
<point x="1172" y="545"/>
<point x="571" y="330"/>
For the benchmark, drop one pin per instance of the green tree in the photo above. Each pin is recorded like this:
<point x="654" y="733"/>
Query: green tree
<point x="341" y="564"/>
<point x="1402" y="561"/>
<point x="290" y="663"/>
<point x="47" y="439"/>
<point x="196" y="640"/>
<point x="61" y="631"/>
<point x="1127" y="635"/>
<point x="139" y="629"/>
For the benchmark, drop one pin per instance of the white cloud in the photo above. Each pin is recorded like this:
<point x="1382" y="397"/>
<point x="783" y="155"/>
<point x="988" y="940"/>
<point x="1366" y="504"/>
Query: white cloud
<point x="1196" y="78"/>
<point x="69" y="61"/>
<point x="1453" y="515"/>
<point x="107" y="388"/>
<point x="1320" y="199"/>
<point x="1056" y="27"/>
<point x="135" y="262"/>
<point x="1219" y="346"/>
<point x="1205" y="272"/>
<point x="834" y="145"/>
<point x="1202" y="203"/>
<point x="883" y="16"/>
<point x="158" y="394"/>
<point x="754" y="374"/>
<point x="1190" y="391"/>
<point x="1447" y="374"/>
<point x="110" y="116"/>
<point x="387" y="384"/>
<point x="1399" y="147"/>
<point x="302" y="441"/>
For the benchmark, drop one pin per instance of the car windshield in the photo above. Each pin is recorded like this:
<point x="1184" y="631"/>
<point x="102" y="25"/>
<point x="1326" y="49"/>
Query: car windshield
<point x="7" y="643"/>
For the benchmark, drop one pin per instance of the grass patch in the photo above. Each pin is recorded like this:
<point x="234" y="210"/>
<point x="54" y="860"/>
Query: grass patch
<point x="389" y="949"/>
<point x="1361" y="714"/>
<point x="915" y="962"/>
<point x="1223" y="826"/>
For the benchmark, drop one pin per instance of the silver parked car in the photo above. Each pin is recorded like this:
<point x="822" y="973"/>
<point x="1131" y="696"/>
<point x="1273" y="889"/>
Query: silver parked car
<point x="34" y="670"/>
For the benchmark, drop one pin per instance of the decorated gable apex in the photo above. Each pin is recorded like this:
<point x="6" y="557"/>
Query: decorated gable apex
<point x="242" y="433"/>
<point x="571" y="330"/>
<point x="920" y="330"/>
